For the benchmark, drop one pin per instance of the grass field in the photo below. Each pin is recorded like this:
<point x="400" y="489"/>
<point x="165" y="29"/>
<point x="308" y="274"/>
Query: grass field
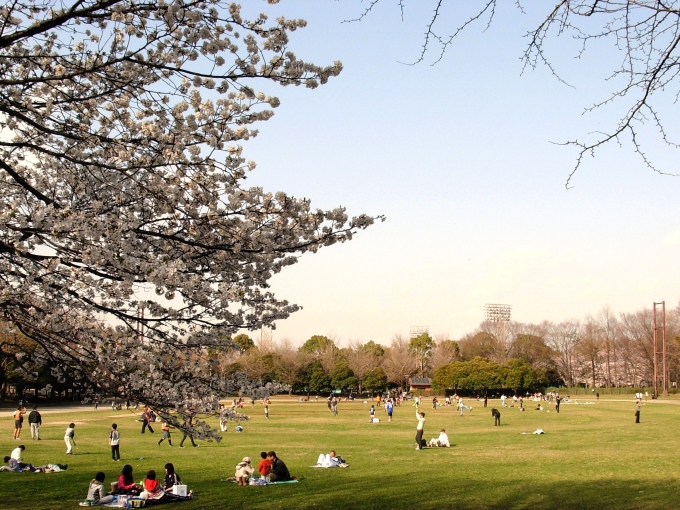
<point x="591" y="456"/>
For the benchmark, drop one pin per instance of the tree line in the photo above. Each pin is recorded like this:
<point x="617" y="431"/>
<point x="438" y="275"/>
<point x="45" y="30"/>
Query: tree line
<point x="603" y="350"/>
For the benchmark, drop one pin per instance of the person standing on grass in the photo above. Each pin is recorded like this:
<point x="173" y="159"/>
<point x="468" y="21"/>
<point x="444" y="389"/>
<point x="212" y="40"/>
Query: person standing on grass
<point x="114" y="442"/>
<point x="557" y="403"/>
<point x="371" y="414"/>
<point x="147" y="419"/>
<point x="18" y="421"/>
<point x="496" y="417"/>
<point x="266" y="411"/>
<point x="34" y="421"/>
<point x="69" y="438"/>
<point x="434" y="403"/>
<point x="637" y="411"/>
<point x="389" y="408"/>
<point x="335" y="406"/>
<point x="419" y="430"/>
<point x="188" y="423"/>
<point x="166" y="434"/>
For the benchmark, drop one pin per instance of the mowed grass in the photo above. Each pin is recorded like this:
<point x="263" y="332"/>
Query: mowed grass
<point x="591" y="456"/>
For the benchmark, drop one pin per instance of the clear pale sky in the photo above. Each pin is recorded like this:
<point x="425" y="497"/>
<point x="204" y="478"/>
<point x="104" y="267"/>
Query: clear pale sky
<point x="459" y="158"/>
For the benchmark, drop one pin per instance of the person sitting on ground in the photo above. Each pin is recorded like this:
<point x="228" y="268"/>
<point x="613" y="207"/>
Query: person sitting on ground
<point x="152" y="487"/>
<point x="279" y="471"/>
<point x="171" y="478"/>
<point x="265" y="465"/>
<point x="17" y="467"/>
<point x="330" y="460"/>
<point x="337" y="459"/>
<point x="243" y="471"/>
<point x="443" y="439"/>
<point x="126" y="482"/>
<point x="18" y="452"/>
<point x="95" y="492"/>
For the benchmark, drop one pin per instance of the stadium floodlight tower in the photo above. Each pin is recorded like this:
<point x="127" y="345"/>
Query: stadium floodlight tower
<point x="418" y="330"/>
<point x="495" y="312"/>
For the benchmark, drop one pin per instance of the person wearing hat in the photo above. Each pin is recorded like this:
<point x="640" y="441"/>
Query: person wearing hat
<point x="243" y="471"/>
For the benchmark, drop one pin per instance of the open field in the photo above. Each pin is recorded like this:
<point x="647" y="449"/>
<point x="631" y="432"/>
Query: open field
<point x="591" y="456"/>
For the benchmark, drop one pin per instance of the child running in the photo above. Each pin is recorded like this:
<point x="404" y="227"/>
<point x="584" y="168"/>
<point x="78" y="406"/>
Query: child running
<point x="166" y="434"/>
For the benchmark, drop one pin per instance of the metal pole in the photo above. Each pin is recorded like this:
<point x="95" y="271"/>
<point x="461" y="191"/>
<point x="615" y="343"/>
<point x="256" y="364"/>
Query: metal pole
<point x="663" y="337"/>
<point x="656" y="358"/>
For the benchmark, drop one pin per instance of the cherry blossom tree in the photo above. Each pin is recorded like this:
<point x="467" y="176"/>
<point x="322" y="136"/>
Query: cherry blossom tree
<point x="122" y="174"/>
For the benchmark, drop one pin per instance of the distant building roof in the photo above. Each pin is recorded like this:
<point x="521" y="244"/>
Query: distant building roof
<point x="420" y="381"/>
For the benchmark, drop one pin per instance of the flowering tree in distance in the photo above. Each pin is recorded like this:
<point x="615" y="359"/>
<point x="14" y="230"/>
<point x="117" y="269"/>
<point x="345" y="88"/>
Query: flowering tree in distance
<point x="122" y="174"/>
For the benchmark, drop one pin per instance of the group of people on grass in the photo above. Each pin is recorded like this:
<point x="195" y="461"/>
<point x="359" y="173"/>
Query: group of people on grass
<point x="15" y="463"/>
<point x="151" y="489"/>
<point x="271" y="469"/>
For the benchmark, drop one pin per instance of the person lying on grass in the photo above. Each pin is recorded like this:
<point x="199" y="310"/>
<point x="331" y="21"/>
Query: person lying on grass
<point x="17" y="467"/>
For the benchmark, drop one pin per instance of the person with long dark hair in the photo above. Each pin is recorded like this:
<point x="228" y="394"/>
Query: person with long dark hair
<point x="126" y="482"/>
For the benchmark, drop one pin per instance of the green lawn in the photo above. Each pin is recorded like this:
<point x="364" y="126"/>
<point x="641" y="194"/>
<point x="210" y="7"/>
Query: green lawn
<point x="591" y="456"/>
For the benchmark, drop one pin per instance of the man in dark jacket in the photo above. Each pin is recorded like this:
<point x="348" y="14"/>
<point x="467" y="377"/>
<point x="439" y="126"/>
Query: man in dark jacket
<point x="279" y="471"/>
<point x="35" y="420"/>
<point x="147" y="418"/>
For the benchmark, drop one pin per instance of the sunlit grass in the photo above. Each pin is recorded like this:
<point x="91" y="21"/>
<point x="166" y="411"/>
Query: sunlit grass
<point x="591" y="456"/>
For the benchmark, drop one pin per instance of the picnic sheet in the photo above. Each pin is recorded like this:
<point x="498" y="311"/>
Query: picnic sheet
<point x="233" y="480"/>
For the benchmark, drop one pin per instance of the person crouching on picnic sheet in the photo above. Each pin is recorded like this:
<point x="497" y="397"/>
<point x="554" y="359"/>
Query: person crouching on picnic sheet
<point x="95" y="492"/>
<point x="152" y="488"/>
<point x="243" y="471"/>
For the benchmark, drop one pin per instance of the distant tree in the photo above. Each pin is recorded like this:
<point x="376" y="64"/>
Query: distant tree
<point x="362" y="358"/>
<point x="242" y="343"/>
<point x="319" y="380"/>
<point x="532" y="349"/>
<point x="445" y="352"/>
<point x="421" y="347"/>
<point x="476" y="374"/>
<point x="399" y="363"/>
<point x="317" y="345"/>
<point x="481" y="344"/>
<point x="564" y="338"/>
<point x="375" y="380"/>
<point x="520" y="375"/>
<point x="342" y="377"/>
<point x="288" y="364"/>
